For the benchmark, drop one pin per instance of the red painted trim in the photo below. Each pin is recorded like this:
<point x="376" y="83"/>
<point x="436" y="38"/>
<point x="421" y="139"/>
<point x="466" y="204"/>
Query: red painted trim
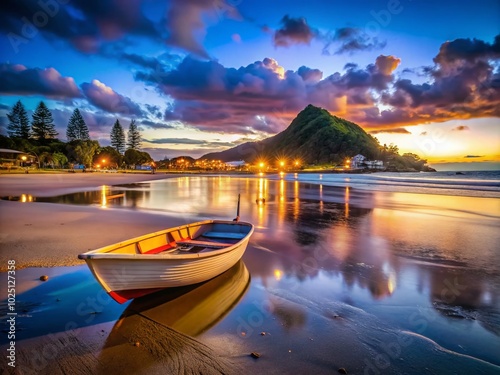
<point x="158" y="250"/>
<point x="161" y="248"/>
<point x="122" y="296"/>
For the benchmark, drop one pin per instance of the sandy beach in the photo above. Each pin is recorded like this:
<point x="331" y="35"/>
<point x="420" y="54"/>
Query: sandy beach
<point x="333" y="279"/>
<point x="43" y="235"/>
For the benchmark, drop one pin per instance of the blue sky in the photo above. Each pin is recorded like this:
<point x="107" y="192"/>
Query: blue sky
<point x="204" y="75"/>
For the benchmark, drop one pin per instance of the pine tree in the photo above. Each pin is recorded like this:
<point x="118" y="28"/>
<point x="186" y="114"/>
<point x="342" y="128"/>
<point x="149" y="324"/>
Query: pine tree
<point x="18" y="122"/>
<point x="42" y="124"/>
<point x="134" y="137"/>
<point x="77" y="128"/>
<point x="118" y="137"/>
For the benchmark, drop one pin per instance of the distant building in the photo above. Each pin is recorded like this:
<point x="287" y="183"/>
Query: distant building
<point x="235" y="164"/>
<point x="360" y="162"/>
<point x="374" y="164"/>
<point x="356" y="161"/>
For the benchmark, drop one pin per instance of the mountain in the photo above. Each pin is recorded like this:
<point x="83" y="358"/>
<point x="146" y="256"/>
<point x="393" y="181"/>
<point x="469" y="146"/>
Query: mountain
<point x="314" y="137"/>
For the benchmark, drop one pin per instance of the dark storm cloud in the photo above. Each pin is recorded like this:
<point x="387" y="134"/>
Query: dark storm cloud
<point x="84" y="24"/>
<point x="293" y="31"/>
<point x="19" y="80"/>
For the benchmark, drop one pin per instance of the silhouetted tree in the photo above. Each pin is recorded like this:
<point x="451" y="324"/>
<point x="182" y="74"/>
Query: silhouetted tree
<point x="18" y="122"/>
<point x="77" y="128"/>
<point x="42" y="124"/>
<point x="134" y="137"/>
<point x="118" y="137"/>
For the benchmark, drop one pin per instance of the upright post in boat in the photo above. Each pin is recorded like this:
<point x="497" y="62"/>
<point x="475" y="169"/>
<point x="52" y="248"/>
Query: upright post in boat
<point x="237" y="218"/>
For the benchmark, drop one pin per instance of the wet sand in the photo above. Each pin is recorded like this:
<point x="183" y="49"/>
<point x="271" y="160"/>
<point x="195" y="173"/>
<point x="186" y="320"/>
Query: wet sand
<point x="373" y="283"/>
<point x="52" y="235"/>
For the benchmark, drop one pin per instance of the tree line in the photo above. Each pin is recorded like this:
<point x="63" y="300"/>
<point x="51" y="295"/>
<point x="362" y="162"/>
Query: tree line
<point x="40" y="138"/>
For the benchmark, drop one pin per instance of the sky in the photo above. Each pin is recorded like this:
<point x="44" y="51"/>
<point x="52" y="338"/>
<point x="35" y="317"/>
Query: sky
<point x="204" y="75"/>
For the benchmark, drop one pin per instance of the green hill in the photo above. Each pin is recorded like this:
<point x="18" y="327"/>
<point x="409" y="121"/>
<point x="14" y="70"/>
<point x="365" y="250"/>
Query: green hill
<point x="314" y="137"/>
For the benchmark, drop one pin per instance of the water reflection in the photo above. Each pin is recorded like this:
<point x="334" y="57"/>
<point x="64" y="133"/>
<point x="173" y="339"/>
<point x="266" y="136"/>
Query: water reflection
<point x="191" y="310"/>
<point x="369" y="246"/>
<point x="391" y="255"/>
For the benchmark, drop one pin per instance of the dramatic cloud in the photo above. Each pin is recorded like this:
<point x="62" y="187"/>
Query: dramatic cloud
<point x="263" y="97"/>
<point x="473" y="156"/>
<point x="392" y="130"/>
<point x="104" y="97"/>
<point x="462" y="84"/>
<point x="157" y="125"/>
<point x="19" y="80"/>
<point x="186" y="25"/>
<point x="84" y="24"/>
<point x="154" y="110"/>
<point x="387" y="64"/>
<point x="469" y="50"/>
<point x="310" y="75"/>
<point x="461" y="128"/>
<point x="293" y="31"/>
<point x="349" y="40"/>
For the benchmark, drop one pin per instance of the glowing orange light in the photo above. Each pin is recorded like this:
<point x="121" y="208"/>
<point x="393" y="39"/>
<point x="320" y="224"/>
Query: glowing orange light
<point x="278" y="274"/>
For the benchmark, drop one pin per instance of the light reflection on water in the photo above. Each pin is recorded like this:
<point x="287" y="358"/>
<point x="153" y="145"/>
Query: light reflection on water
<point x="407" y="259"/>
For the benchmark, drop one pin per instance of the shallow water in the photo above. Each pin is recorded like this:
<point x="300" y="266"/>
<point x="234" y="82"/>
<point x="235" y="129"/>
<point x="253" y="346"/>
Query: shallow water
<point x="336" y="275"/>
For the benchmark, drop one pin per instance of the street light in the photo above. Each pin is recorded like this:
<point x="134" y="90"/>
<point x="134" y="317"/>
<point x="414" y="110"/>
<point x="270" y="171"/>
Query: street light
<point x="23" y="158"/>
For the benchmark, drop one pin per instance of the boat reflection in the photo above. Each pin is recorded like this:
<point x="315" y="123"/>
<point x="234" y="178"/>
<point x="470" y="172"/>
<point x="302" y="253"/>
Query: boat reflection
<point x="191" y="310"/>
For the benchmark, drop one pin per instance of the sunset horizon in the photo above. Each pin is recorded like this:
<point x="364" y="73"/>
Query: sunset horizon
<point x="202" y="77"/>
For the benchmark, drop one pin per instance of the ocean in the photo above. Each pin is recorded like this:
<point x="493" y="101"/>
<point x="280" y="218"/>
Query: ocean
<point x="472" y="183"/>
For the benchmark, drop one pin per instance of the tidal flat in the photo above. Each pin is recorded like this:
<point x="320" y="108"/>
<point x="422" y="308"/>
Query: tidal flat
<point x="337" y="275"/>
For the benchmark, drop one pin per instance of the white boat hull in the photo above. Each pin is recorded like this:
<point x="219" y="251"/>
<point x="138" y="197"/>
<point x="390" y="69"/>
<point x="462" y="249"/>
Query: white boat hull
<point x="127" y="275"/>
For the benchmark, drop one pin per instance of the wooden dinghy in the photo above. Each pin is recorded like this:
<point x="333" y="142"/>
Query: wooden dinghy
<point x="191" y="309"/>
<point x="173" y="257"/>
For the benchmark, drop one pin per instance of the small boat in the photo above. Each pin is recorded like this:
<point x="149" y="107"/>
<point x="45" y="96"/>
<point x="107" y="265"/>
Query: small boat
<point x="191" y="309"/>
<point x="184" y="255"/>
<point x="179" y="256"/>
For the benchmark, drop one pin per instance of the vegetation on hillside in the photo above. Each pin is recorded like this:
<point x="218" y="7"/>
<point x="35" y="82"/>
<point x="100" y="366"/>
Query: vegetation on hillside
<point x="315" y="137"/>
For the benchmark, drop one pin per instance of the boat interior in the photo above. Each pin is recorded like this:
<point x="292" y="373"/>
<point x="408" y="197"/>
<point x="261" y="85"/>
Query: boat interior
<point x="203" y="237"/>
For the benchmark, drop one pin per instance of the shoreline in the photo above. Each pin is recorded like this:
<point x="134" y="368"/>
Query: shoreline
<point x="44" y="241"/>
